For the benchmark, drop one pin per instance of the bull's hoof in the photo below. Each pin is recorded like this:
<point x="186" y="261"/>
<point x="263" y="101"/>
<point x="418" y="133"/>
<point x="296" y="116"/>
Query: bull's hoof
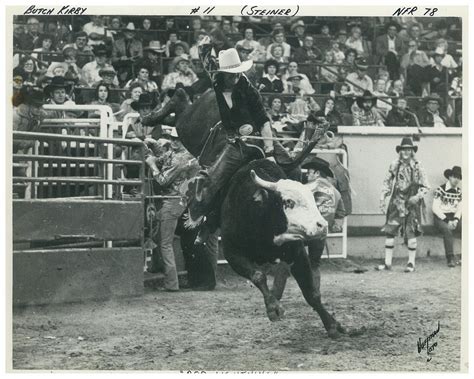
<point x="275" y="312"/>
<point x="333" y="333"/>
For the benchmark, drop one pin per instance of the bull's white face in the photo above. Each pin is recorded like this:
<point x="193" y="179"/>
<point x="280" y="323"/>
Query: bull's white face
<point x="304" y="220"/>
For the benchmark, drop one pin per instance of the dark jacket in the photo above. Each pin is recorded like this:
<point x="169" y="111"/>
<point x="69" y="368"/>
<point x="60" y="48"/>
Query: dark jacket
<point x="426" y="118"/>
<point x="381" y="46"/>
<point x="334" y="118"/>
<point x="303" y="55"/>
<point x="275" y="86"/>
<point x="247" y="106"/>
<point x="396" y="118"/>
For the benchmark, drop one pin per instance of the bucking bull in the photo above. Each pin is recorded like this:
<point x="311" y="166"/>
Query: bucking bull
<point x="264" y="216"/>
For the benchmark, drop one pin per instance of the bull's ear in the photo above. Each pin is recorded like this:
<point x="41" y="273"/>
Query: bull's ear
<point x="260" y="196"/>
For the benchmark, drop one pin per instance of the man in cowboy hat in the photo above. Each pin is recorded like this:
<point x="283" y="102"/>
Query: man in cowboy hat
<point x="151" y="58"/>
<point x="125" y="51"/>
<point x="242" y="114"/>
<point x="447" y="210"/>
<point x="58" y="92"/>
<point x="90" y="71"/>
<point x="329" y="203"/>
<point x="431" y="115"/>
<point x="249" y="42"/>
<point x="298" y="28"/>
<point x="359" y="80"/>
<point x="366" y="113"/>
<point x="180" y="72"/>
<point x="389" y="49"/>
<point x="178" y="166"/>
<point x="405" y="185"/>
<point x="437" y="73"/>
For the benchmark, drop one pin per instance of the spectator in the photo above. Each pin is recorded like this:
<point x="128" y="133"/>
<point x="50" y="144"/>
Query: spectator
<point x="431" y="116"/>
<point x="348" y="63"/>
<point x="151" y="59"/>
<point x="329" y="113"/>
<point x="43" y="52"/>
<point x="308" y="52"/>
<point x="125" y="51"/>
<point x="96" y="32"/>
<point x="134" y="92"/>
<point x="447" y="210"/>
<point x="365" y="113"/>
<point x="398" y="90"/>
<point x="84" y="51"/>
<point x="181" y="73"/>
<point x="304" y="85"/>
<point x="57" y="69"/>
<point x="303" y="104"/>
<point x="277" y="110"/>
<point x="73" y="71"/>
<point x="325" y="32"/>
<point x="344" y="103"/>
<point x="276" y="54"/>
<point x="326" y="75"/>
<point x="249" y="42"/>
<point x="437" y="75"/>
<point x="115" y="27"/>
<point x="389" y="50"/>
<point x="28" y="70"/>
<point x="251" y="73"/>
<point x="146" y="34"/>
<point x="379" y="92"/>
<point x="179" y="49"/>
<point x="278" y="37"/>
<point x="405" y="184"/>
<point x="441" y="31"/>
<point x="137" y="130"/>
<point x="413" y="65"/>
<point x="270" y="82"/>
<point x="57" y="93"/>
<point x="102" y="97"/>
<point x="397" y="117"/>
<point x="179" y="166"/>
<point x="173" y="38"/>
<point x="298" y="29"/>
<point x="337" y="53"/>
<point x="414" y="34"/>
<point x="90" y="71"/>
<point x="341" y="38"/>
<point x="448" y="60"/>
<point x="26" y="41"/>
<point x="204" y="81"/>
<point x="108" y="77"/>
<point x="359" y="80"/>
<point x="143" y="77"/>
<point x="358" y="43"/>
<point x="385" y="76"/>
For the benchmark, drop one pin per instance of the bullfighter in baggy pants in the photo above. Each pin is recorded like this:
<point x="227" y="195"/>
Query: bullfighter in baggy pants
<point x="406" y="185"/>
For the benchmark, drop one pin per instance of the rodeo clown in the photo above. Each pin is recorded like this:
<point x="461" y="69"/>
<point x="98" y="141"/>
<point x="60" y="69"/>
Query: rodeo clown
<point x="405" y="185"/>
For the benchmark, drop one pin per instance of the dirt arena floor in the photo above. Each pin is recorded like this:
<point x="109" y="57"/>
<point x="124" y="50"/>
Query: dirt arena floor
<point x="228" y="329"/>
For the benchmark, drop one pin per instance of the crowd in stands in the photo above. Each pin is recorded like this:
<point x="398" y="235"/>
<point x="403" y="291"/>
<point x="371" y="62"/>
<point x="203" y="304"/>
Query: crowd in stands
<point x="354" y="71"/>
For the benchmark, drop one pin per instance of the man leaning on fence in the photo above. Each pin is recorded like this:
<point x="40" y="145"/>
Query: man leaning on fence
<point x="447" y="210"/>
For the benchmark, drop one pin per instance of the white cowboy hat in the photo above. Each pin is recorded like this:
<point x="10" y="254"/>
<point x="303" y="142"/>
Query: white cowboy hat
<point x="130" y="27"/>
<point x="229" y="61"/>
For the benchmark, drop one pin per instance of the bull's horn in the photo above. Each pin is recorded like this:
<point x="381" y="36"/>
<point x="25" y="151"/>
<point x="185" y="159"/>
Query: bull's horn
<point x="271" y="186"/>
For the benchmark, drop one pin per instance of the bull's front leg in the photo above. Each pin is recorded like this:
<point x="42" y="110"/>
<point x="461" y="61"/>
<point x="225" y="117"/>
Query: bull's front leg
<point x="301" y="270"/>
<point x="244" y="267"/>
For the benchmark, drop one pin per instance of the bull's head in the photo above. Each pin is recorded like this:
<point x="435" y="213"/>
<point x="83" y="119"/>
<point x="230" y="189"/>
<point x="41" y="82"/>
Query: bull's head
<point x="303" y="217"/>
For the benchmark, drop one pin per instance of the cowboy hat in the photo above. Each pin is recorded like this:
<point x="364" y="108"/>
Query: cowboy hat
<point x="33" y="96"/>
<point x="439" y="51"/>
<point x="170" y="132"/>
<point x="107" y="70"/>
<point x="295" y="76"/>
<point x="155" y="46"/>
<point x="433" y="97"/>
<point x="395" y="24"/>
<point x="318" y="164"/>
<point x="57" y="82"/>
<point x="297" y="24"/>
<point x="455" y="171"/>
<point x="183" y="44"/>
<point x="361" y="64"/>
<point x="179" y="58"/>
<point x="406" y="143"/>
<point x="130" y="27"/>
<point x="229" y="61"/>
<point x="145" y="100"/>
<point x="367" y="95"/>
<point x="100" y="50"/>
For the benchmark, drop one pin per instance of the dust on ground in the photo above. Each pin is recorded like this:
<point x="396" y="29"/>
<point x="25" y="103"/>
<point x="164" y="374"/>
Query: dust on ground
<point x="227" y="329"/>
